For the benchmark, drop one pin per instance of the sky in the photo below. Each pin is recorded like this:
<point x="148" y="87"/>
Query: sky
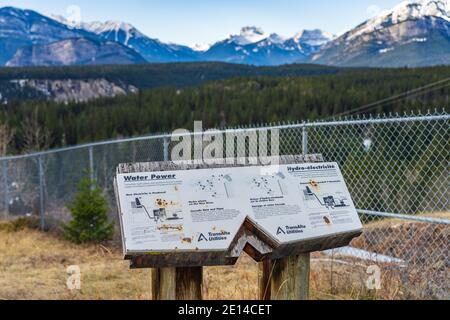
<point x="192" y="22"/>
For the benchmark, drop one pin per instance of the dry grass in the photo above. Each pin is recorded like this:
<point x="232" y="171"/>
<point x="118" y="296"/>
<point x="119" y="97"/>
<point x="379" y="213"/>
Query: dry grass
<point x="237" y="282"/>
<point x="33" y="266"/>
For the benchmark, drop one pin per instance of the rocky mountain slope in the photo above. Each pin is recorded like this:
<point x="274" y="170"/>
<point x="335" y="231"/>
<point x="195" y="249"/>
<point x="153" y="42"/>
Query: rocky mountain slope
<point x="77" y="51"/>
<point x="412" y="34"/>
<point x="21" y="28"/>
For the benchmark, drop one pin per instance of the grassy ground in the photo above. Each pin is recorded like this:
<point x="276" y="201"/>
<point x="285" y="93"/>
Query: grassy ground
<point x="33" y="265"/>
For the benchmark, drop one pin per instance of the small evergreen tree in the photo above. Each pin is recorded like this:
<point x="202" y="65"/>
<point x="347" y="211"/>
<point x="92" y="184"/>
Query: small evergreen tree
<point x="89" y="212"/>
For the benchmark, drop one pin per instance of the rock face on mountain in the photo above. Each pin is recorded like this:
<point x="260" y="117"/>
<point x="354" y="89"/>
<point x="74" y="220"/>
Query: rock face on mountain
<point x="70" y="90"/>
<point x="63" y="90"/>
<point x="78" y="51"/>
<point x="412" y="34"/>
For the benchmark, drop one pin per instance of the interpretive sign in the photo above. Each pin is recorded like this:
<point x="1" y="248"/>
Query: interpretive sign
<point x="208" y="216"/>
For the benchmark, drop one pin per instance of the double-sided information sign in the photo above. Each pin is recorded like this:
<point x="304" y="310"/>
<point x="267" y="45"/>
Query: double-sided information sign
<point x="207" y="216"/>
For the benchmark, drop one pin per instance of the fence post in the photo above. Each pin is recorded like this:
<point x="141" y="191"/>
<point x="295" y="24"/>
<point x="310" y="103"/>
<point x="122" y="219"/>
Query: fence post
<point x="41" y="193"/>
<point x="91" y="163"/>
<point x="305" y="140"/>
<point x="6" y="188"/>
<point x="166" y="144"/>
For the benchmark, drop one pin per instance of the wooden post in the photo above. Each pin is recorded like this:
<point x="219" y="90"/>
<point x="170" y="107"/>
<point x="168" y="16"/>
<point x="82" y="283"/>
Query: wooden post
<point x="265" y="270"/>
<point x="41" y="193"/>
<point x="290" y="278"/>
<point x="155" y="283"/>
<point x="177" y="283"/>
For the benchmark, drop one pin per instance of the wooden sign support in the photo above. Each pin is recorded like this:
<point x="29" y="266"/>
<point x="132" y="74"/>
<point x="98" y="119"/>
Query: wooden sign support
<point x="285" y="279"/>
<point x="177" y="283"/>
<point x="284" y="266"/>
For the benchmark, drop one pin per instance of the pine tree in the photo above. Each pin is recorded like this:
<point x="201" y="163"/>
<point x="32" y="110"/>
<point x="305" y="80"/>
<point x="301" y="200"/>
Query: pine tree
<point x="89" y="212"/>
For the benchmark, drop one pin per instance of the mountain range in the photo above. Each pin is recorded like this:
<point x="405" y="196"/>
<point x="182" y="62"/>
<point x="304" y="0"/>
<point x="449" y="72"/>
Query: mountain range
<point x="414" y="33"/>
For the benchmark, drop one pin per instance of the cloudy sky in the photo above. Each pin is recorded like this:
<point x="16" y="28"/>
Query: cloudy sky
<point x="206" y="21"/>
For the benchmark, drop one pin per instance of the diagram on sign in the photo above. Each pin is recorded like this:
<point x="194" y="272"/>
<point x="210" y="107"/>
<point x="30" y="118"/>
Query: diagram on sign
<point x="315" y="197"/>
<point x="269" y="185"/>
<point x="166" y="214"/>
<point x="216" y="186"/>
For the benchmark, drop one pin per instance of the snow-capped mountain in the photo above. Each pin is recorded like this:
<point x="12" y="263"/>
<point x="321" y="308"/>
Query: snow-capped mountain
<point x="254" y="46"/>
<point x="308" y="42"/>
<point x="314" y="38"/>
<point x="413" y="33"/>
<point x="200" y="47"/>
<point x="152" y="50"/>
<point x="248" y="35"/>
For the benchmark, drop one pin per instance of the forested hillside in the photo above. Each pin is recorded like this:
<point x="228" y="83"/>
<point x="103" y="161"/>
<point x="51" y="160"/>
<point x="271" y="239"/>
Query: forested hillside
<point x="231" y="102"/>
<point x="154" y="75"/>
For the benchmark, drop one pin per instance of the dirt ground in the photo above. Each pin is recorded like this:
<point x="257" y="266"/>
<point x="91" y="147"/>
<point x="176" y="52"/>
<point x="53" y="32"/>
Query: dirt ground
<point x="33" y="265"/>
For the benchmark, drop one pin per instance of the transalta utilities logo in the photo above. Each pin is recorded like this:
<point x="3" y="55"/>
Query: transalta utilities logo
<point x="213" y="236"/>
<point x="291" y="229"/>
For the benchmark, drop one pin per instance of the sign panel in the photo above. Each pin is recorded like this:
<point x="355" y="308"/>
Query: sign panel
<point x="202" y="210"/>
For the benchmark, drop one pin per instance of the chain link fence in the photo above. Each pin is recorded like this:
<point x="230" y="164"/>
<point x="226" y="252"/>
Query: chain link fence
<point x="396" y="167"/>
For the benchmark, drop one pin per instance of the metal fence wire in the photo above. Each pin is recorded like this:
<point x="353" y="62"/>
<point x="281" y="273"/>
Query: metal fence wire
<point x="396" y="167"/>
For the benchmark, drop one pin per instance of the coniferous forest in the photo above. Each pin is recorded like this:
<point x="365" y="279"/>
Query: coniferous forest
<point x="174" y="95"/>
